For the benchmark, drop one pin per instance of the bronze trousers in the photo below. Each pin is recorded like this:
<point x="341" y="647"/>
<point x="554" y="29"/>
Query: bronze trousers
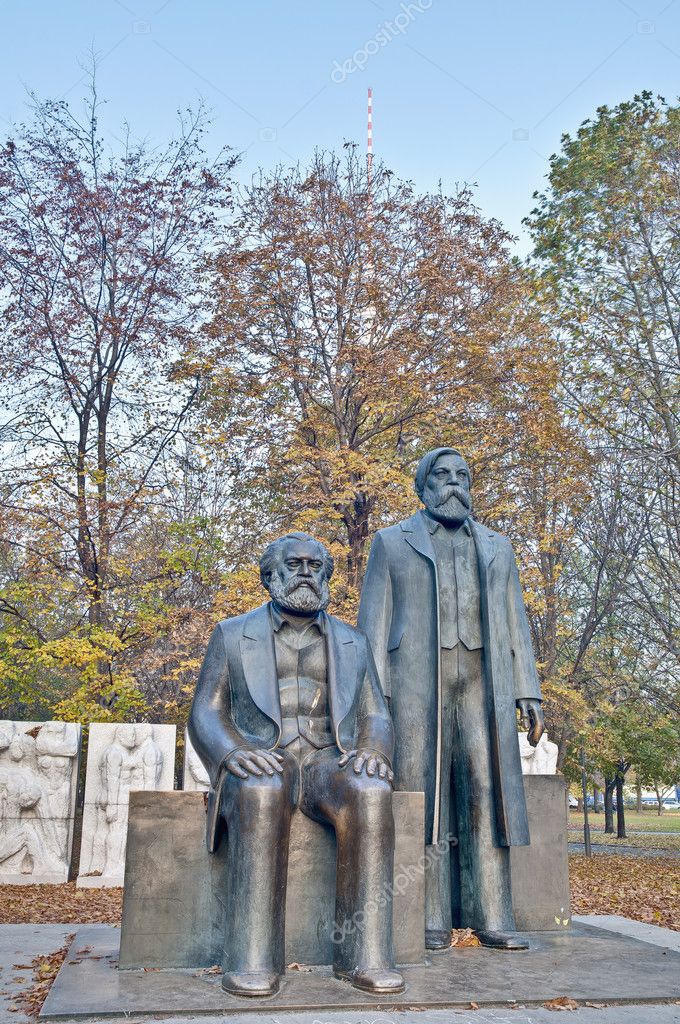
<point x="258" y="813"/>
<point x="470" y="887"/>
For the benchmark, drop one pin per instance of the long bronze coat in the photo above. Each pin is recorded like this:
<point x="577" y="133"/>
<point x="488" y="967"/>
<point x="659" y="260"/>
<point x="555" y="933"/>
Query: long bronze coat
<point x="399" y="612"/>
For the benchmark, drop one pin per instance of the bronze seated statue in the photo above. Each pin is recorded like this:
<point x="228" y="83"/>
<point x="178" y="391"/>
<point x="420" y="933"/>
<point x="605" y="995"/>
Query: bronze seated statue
<point x="289" y="712"/>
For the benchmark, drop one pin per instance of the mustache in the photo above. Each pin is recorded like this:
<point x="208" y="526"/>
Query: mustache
<point x="297" y="584"/>
<point x="454" y="491"/>
<point x="303" y="595"/>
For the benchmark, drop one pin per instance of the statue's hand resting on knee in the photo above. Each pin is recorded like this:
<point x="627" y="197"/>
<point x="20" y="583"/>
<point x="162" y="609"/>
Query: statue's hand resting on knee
<point x="370" y="761"/>
<point x="243" y="763"/>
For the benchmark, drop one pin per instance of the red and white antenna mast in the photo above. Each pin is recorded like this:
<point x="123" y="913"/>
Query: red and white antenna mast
<point x="368" y="315"/>
<point x="369" y="147"/>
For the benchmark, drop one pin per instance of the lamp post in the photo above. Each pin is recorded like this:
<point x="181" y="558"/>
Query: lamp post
<point x="584" y="788"/>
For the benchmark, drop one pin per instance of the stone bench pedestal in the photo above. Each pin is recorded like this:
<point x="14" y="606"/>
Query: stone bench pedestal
<point x="174" y="901"/>
<point x="175" y="892"/>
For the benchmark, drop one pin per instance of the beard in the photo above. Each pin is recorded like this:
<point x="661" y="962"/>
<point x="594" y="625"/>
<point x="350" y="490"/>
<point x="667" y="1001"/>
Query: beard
<point x="299" y="597"/>
<point x="451" y="503"/>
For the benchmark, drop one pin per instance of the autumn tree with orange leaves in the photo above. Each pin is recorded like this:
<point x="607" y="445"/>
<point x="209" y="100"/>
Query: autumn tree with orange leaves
<point x="361" y="324"/>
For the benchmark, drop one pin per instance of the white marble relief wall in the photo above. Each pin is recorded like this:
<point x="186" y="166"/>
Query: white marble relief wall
<point x="120" y="758"/>
<point x="38" y="784"/>
<point x="538" y="760"/>
<point x="195" y="777"/>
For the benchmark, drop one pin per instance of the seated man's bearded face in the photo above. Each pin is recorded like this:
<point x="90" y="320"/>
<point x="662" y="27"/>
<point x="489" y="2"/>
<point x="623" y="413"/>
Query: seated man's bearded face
<point x="447" y="489"/>
<point x="298" y="579"/>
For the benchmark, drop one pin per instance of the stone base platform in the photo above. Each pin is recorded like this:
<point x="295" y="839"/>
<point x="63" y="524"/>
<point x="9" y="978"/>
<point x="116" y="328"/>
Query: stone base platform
<point x="39" y="878"/>
<point x="177" y="894"/>
<point x="585" y="963"/>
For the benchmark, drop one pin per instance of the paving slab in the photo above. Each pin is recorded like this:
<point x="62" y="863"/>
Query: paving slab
<point x="630" y="1014"/>
<point x="653" y="933"/>
<point x="19" y="944"/>
<point x="586" y="963"/>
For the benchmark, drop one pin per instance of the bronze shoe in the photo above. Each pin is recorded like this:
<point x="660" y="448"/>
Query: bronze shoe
<point x="379" y="982"/>
<point x="437" y="939"/>
<point x="252" y="984"/>
<point x="500" y="940"/>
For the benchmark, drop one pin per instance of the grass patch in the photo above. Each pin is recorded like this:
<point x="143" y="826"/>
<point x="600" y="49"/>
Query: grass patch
<point x="648" y="821"/>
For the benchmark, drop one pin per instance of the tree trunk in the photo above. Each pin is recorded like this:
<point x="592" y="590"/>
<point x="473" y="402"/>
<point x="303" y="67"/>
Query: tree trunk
<point x="579" y="805"/>
<point x="357" y="523"/>
<point x="596" y="799"/>
<point x="609" y="785"/>
<point x="620" y="809"/>
<point x="659" y="800"/>
<point x="638" y="797"/>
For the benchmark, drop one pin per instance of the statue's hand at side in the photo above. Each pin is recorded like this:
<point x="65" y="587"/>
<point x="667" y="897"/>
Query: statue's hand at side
<point x="370" y="761"/>
<point x="243" y="763"/>
<point x="531" y="717"/>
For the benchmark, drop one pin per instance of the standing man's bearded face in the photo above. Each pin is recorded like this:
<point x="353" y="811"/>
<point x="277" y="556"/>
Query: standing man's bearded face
<point x="446" y="494"/>
<point x="298" y="581"/>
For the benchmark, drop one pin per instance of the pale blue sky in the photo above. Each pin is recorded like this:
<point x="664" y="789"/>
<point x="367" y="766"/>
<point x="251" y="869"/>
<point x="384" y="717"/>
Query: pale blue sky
<point x="476" y="91"/>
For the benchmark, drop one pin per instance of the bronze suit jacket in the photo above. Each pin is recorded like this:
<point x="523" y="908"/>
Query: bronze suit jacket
<point x="399" y="612"/>
<point x="236" y="704"/>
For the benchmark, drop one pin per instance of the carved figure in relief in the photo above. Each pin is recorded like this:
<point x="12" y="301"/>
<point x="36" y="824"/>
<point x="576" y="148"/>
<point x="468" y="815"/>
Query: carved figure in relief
<point x="36" y="768"/>
<point x="56" y="747"/>
<point x="538" y="760"/>
<point x="197" y="770"/>
<point x="29" y="838"/>
<point x="131" y="761"/>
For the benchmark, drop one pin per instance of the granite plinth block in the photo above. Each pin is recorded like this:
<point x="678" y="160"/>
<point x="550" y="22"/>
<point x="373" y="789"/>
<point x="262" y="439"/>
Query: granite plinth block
<point x="175" y="891"/>
<point x="38" y="782"/>
<point x="120" y="758"/>
<point x="540" y="872"/>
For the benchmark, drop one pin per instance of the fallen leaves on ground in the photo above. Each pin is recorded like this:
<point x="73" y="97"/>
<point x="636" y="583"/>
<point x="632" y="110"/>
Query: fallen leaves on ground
<point x="462" y="938"/>
<point x="45" y="969"/>
<point x="59" y="904"/>
<point x="644" y="889"/>
<point x="561" y="1003"/>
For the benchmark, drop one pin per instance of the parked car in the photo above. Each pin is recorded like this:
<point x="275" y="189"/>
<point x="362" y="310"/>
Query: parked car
<point x="671" y="804"/>
<point x="573" y="802"/>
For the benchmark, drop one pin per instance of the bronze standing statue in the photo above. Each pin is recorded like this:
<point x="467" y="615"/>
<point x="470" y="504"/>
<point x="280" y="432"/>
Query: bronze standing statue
<point x="442" y="608"/>
<point x="288" y="712"/>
